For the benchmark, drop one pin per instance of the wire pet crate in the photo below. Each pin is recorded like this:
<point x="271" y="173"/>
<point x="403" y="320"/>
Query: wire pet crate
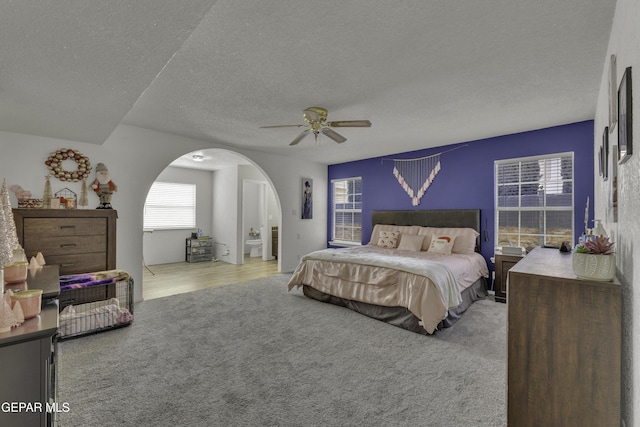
<point x="93" y="306"/>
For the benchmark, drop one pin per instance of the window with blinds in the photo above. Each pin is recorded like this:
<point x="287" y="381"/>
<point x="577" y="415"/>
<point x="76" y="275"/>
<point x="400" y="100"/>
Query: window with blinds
<point x="534" y="201"/>
<point x="347" y="210"/>
<point x="170" y="206"/>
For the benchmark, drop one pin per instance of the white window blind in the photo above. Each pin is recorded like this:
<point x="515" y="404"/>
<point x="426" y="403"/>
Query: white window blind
<point x="170" y="206"/>
<point x="534" y="201"/>
<point x="347" y="210"/>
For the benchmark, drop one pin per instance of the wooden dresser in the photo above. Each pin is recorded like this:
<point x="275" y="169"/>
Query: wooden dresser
<point x="564" y="344"/>
<point x="78" y="241"/>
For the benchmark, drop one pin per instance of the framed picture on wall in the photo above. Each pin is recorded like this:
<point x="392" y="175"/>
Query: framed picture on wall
<point x="625" y="119"/>
<point x="307" y="198"/>
<point x="605" y="150"/>
<point x="613" y="93"/>
<point x="601" y="161"/>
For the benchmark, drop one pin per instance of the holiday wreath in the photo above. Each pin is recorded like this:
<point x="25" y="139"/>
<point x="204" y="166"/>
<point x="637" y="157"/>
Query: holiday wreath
<point x="54" y="164"/>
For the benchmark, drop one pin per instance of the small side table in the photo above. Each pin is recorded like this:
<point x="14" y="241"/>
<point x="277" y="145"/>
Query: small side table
<point x="503" y="265"/>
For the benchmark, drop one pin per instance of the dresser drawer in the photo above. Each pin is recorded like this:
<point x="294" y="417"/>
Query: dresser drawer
<point x="79" y="240"/>
<point x="65" y="245"/>
<point x="76" y="263"/>
<point x="35" y="228"/>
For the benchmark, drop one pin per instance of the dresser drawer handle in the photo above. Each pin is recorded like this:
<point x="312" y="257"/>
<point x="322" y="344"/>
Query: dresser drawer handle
<point x="67" y="265"/>
<point x="62" y="227"/>
<point x="68" y="245"/>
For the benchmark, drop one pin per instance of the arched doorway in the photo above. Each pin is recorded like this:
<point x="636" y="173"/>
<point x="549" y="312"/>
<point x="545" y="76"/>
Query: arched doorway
<point x="222" y="178"/>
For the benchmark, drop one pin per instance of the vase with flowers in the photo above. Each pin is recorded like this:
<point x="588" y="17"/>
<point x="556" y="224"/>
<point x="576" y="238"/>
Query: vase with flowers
<point x="254" y="233"/>
<point x="595" y="260"/>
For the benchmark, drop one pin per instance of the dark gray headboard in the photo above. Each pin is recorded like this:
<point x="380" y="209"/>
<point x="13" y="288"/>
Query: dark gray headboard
<point x="433" y="218"/>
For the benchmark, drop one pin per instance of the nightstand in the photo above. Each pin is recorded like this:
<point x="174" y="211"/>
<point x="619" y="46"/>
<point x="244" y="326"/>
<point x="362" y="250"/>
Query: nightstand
<point x="503" y="265"/>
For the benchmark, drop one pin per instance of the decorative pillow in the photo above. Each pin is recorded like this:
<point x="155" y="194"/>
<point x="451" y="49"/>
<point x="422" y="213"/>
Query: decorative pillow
<point x="388" y="239"/>
<point x="441" y="244"/>
<point x="410" y="242"/>
<point x="465" y="237"/>
<point x="404" y="229"/>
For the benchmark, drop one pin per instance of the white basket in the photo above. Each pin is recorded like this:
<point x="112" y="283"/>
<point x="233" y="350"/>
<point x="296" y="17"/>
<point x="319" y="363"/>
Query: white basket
<point x="601" y="268"/>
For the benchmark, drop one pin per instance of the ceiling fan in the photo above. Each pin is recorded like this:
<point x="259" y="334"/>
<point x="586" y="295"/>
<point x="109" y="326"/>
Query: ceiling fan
<point x="316" y="118"/>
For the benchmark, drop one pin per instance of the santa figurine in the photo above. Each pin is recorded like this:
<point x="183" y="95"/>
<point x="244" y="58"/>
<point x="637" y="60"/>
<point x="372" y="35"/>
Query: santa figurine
<point x="103" y="186"/>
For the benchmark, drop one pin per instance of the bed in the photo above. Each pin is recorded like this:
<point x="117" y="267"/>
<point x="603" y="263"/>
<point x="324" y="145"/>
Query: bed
<point x="420" y="270"/>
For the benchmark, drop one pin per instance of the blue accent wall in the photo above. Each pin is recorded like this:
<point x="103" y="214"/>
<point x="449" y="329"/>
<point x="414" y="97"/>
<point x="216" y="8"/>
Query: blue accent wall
<point x="466" y="180"/>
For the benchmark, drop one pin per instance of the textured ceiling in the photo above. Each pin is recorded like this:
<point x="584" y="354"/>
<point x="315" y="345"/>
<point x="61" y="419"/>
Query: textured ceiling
<point x="425" y="72"/>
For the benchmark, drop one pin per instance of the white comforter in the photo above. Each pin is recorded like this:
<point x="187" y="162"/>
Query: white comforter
<point x="425" y="283"/>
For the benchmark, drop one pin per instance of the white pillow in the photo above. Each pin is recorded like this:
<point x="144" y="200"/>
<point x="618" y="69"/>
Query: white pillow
<point x="410" y="242"/>
<point x="427" y="233"/>
<point x="388" y="239"/>
<point x="441" y="244"/>
<point x="465" y="237"/>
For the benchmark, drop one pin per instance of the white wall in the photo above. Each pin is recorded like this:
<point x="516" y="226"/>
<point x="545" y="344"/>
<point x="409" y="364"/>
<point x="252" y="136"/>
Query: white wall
<point x="252" y="210"/>
<point x="226" y="212"/>
<point x="624" y="43"/>
<point x="273" y="220"/>
<point x="165" y="246"/>
<point x="136" y="156"/>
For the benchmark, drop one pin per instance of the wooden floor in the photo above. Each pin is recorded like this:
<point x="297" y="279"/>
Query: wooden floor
<point x="176" y="278"/>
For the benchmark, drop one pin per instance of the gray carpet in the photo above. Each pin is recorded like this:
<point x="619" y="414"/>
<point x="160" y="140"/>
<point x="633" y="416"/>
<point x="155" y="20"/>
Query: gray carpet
<point x="255" y="355"/>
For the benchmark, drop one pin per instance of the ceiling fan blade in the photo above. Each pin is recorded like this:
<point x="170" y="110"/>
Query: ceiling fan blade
<point x="334" y="135"/>
<point x="281" y="126"/>
<point x="299" y="137"/>
<point x="350" y="123"/>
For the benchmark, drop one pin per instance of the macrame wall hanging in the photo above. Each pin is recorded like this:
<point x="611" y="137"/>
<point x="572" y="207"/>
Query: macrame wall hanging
<point x="416" y="175"/>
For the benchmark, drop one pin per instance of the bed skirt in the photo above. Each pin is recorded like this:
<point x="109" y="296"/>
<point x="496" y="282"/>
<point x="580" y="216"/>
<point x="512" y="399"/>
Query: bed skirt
<point x="401" y="316"/>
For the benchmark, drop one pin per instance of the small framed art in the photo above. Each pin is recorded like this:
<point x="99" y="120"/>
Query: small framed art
<point x="307" y="198"/>
<point x="601" y="161"/>
<point x="605" y="153"/>
<point x="613" y="93"/>
<point x="625" y="119"/>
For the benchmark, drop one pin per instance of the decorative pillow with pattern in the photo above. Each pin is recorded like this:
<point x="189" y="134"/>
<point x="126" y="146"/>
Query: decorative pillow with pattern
<point x="441" y="244"/>
<point x="388" y="239"/>
<point x="402" y="229"/>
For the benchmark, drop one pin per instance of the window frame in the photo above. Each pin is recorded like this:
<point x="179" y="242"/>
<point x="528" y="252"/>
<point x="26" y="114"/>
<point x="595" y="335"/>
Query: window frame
<point x="544" y="208"/>
<point x="342" y="242"/>
<point x="171" y="188"/>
